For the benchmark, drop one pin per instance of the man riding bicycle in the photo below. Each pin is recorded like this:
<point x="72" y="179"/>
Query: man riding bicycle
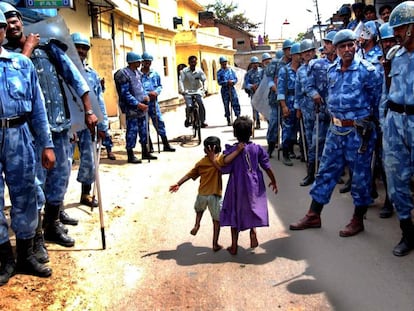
<point x="191" y="82"/>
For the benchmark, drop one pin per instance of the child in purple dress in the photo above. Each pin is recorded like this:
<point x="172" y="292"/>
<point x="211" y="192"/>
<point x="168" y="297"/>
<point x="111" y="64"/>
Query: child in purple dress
<point x="245" y="201"/>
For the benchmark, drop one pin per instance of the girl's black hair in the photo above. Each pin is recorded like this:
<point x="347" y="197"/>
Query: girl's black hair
<point x="242" y="129"/>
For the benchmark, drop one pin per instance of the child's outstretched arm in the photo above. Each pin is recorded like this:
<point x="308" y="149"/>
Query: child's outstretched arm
<point x="272" y="183"/>
<point x="231" y="156"/>
<point x="175" y="187"/>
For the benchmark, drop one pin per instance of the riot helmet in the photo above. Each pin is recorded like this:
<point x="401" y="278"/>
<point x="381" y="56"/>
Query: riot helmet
<point x="306" y="45"/>
<point x="222" y="59"/>
<point x="266" y="56"/>
<point x="330" y="36"/>
<point x="402" y="14"/>
<point x="9" y="10"/>
<point x="254" y="60"/>
<point x="80" y="39"/>
<point x="133" y="57"/>
<point x="295" y="49"/>
<point x="147" y="56"/>
<point x="287" y="44"/>
<point x="279" y="54"/>
<point x="386" y="31"/>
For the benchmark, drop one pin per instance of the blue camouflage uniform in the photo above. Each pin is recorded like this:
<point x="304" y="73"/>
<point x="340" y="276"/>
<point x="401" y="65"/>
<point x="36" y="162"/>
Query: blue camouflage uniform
<point x="20" y="98"/>
<point x="86" y="172"/>
<point x="152" y="82"/>
<point x="286" y="91"/>
<point x="398" y="138"/>
<point x="352" y="99"/>
<point x="317" y="84"/>
<point x="132" y="93"/>
<point x="228" y="93"/>
<point x="253" y="76"/>
<point x="271" y="72"/>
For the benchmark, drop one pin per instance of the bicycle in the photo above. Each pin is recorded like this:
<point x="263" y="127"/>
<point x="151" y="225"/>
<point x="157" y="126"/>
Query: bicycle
<point x="195" y="117"/>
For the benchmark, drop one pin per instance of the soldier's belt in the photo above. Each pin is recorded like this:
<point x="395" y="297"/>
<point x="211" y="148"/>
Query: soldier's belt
<point x="343" y="123"/>
<point x="13" y="121"/>
<point x="408" y="109"/>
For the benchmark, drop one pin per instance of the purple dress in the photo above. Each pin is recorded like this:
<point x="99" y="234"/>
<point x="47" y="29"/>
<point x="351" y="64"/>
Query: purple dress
<point x="245" y="200"/>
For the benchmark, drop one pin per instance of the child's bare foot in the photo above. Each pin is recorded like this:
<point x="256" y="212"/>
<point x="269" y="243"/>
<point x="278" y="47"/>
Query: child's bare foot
<point x="217" y="247"/>
<point x="195" y="229"/>
<point x="232" y="250"/>
<point x="253" y="240"/>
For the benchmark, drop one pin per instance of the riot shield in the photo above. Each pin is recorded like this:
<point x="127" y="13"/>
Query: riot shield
<point x="54" y="28"/>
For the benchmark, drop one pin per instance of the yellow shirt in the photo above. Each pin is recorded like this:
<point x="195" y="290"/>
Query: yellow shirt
<point x="210" y="177"/>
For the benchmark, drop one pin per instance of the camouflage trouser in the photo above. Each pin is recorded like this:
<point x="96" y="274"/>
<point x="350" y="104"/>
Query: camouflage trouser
<point x="225" y="96"/>
<point x="135" y="126"/>
<point x="86" y="172"/>
<point x="18" y="170"/>
<point x="273" y="128"/>
<point x="289" y="126"/>
<point x="341" y="149"/>
<point x="54" y="182"/>
<point x="398" y="154"/>
<point x="156" y="118"/>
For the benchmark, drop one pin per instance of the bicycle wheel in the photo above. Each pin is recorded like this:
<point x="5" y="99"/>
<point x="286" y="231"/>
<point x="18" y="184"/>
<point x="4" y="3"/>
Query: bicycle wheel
<point x="197" y="125"/>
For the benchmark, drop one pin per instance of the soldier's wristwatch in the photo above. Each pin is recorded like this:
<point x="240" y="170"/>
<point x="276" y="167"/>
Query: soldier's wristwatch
<point x="89" y="112"/>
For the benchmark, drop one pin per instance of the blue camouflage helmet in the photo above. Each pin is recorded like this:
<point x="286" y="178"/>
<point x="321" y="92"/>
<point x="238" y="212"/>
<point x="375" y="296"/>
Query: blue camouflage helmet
<point x="386" y="31"/>
<point x="3" y="22"/>
<point x="79" y="38"/>
<point x="133" y="57"/>
<point x="266" y="56"/>
<point x="279" y="54"/>
<point x="330" y="36"/>
<point x="9" y="10"/>
<point x="370" y="30"/>
<point x="222" y="59"/>
<point x="147" y="56"/>
<point x="295" y="49"/>
<point x="344" y="11"/>
<point x="306" y="45"/>
<point x="254" y="60"/>
<point x="287" y="44"/>
<point x="402" y="14"/>
<point x="343" y="36"/>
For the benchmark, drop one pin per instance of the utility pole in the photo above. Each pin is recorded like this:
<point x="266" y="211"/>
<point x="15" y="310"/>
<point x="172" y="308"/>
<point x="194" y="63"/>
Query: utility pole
<point x="141" y="26"/>
<point x="318" y="21"/>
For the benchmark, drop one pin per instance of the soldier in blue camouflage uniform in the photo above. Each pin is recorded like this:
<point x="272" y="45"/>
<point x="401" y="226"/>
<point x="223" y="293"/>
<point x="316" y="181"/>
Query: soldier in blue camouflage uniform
<point x="51" y="62"/>
<point x="226" y="78"/>
<point x="252" y="80"/>
<point x="22" y="119"/>
<point x="86" y="172"/>
<point x="151" y="82"/>
<point x="271" y="71"/>
<point x="398" y="139"/>
<point x="135" y="100"/>
<point x="316" y="87"/>
<point x="353" y="97"/>
<point x="305" y="108"/>
<point x="286" y="97"/>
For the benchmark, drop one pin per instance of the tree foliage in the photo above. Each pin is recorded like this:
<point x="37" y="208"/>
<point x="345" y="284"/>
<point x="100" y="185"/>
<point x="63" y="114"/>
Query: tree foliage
<point x="227" y="13"/>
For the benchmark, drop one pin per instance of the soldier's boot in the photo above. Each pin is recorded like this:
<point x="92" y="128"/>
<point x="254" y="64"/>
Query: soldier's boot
<point x="407" y="241"/>
<point x="270" y="148"/>
<point x="286" y="159"/>
<point x="132" y="158"/>
<point x="146" y="155"/>
<point x="228" y="121"/>
<point x="26" y="261"/>
<point x="312" y="218"/>
<point x="166" y="143"/>
<point x="308" y="180"/>
<point x="356" y="225"/>
<point x="387" y="209"/>
<point x="86" y="199"/>
<point x="7" y="263"/>
<point x="39" y="248"/>
<point x="151" y="145"/>
<point x="53" y="231"/>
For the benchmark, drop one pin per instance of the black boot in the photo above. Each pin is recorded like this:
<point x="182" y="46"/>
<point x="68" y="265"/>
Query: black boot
<point x="86" y="199"/>
<point x="53" y="232"/>
<point x="39" y="248"/>
<point x="270" y="148"/>
<point x="407" y="241"/>
<point x="308" y="180"/>
<point x="147" y="155"/>
<point x="387" y="210"/>
<point x="26" y="261"/>
<point x="286" y="159"/>
<point x="7" y="263"/>
<point x="132" y="158"/>
<point x="229" y="121"/>
<point x="166" y="144"/>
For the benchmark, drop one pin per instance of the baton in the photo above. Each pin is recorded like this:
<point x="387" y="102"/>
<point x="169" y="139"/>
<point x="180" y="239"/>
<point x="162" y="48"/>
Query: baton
<point x="97" y="159"/>
<point x="231" y="103"/>
<point x="302" y="133"/>
<point x="148" y="135"/>
<point x="156" y="125"/>
<point x="317" y="141"/>
<point x="98" y="189"/>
